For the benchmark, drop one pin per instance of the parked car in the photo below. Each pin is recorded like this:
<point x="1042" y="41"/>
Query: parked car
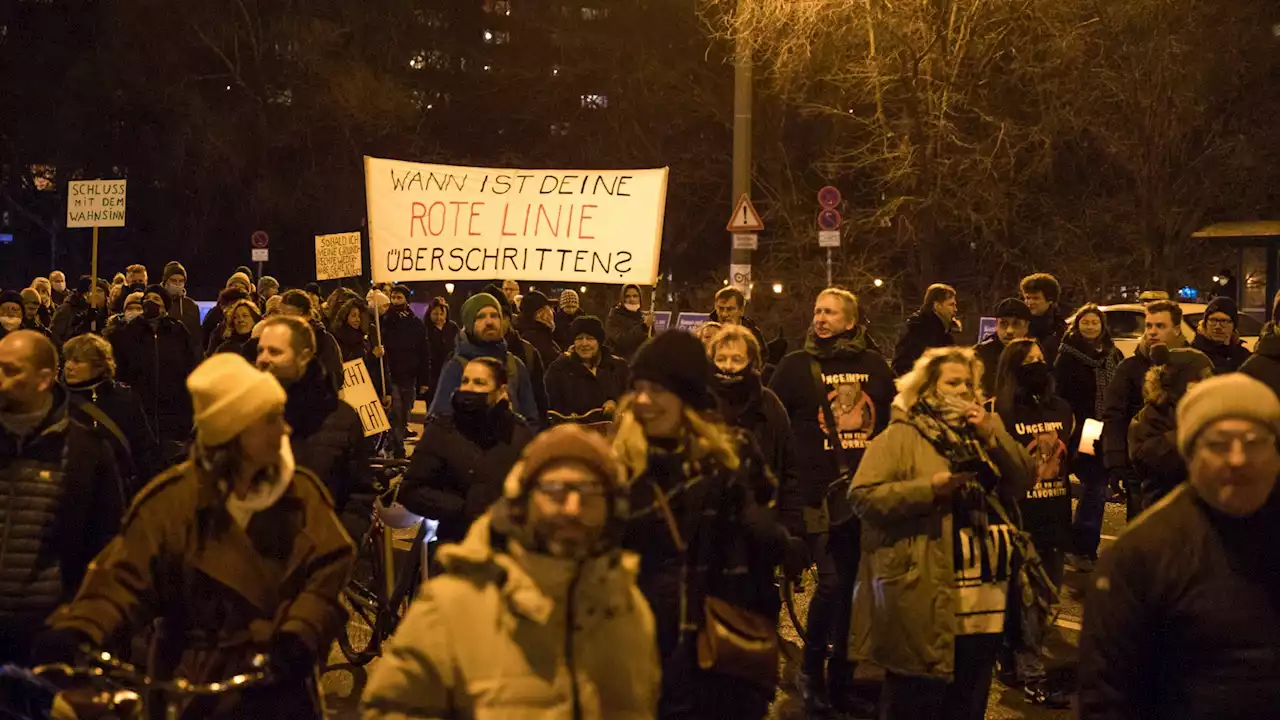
<point x="1128" y="321"/>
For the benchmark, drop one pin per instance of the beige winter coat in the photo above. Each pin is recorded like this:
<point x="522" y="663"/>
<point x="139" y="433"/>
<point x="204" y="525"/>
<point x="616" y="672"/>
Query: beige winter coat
<point x="904" y="607"/>
<point x="520" y="636"/>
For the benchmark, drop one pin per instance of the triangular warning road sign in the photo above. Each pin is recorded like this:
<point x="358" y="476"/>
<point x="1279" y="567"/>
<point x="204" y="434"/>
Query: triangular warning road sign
<point x="745" y="218"/>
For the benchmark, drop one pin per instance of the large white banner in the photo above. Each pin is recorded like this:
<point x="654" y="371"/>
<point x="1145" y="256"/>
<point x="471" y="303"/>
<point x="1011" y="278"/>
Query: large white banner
<point x="438" y="222"/>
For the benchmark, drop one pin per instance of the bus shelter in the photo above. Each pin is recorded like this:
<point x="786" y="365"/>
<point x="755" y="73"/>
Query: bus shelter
<point x="1256" y="257"/>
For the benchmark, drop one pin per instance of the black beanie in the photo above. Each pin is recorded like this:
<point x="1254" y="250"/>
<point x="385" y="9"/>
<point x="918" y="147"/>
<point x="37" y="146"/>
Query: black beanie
<point x="504" y="304"/>
<point x="312" y="287"/>
<point x="11" y="296"/>
<point x="1014" y="308"/>
<point x="532" y="303"/>
<point x="159" y="290"/>
<point x="171" y="268"/>
<point x="678" y="362"/>
<point x="587" y="325"/>
<point x="1223" y="305"/>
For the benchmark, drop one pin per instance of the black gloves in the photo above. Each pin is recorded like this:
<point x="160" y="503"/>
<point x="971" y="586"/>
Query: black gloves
<point x="291" y="659"/>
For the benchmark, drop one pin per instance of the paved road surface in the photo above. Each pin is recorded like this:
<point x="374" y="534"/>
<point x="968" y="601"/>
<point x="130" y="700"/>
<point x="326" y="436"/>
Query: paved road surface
<point x="342" y="684"/>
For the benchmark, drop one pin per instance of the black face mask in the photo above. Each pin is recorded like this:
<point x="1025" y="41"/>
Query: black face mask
<point x="727" y="379"/>
<point x="150" y="310"/>
<point x="471" y="404"/>
<point x="1034" y="378"/>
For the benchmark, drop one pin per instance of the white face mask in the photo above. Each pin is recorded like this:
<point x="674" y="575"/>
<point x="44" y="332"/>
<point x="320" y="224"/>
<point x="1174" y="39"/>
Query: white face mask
<point x="176" y="290"/>
<point x="60" y="286"/>
<point x="130" y="315"/>
<point x="632" y="306"/>
<point x="10" y="323"/>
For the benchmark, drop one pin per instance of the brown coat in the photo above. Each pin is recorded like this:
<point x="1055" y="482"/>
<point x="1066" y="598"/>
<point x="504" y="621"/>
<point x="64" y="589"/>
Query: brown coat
<point x="222" y="593"/>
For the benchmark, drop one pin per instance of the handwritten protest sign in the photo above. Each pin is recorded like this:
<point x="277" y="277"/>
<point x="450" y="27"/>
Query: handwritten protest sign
<point x="338" y="256"/>
<point x="359" y="393"/>
<point x="96" y="203"/>
<point x="437" y="222"/>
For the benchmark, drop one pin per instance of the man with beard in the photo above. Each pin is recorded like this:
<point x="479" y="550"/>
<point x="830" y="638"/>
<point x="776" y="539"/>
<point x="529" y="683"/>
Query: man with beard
<point x="457" y="470"/>
<point x="482" y="336"/>
<point x="1040" y="292"/>
<point x="61" y="496"/>
<point x="1124" y="398"/>
<point x="570" y="309"/>
<point x="807" y="382"/>
<point x="537" y="597"/>
<point x="328" y="437"/>
<point x="154" y="357"/>
<point x="407" y="361"/>
<point x="585" y="384"/>
<point x="1013" y="321"/>
<point x="522" y="349"/>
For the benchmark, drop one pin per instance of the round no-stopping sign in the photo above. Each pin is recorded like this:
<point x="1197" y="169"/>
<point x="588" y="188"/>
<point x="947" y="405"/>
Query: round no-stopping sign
<point x="829" y="197"/>
<point x="829" y="220"/>
<point x="259" y="239"/>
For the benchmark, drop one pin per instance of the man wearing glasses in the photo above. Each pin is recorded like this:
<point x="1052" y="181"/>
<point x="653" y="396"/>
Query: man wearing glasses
<point x="1183" y="616"/>
<point x="1216" y="336"/>
<point x="538" y="613"/>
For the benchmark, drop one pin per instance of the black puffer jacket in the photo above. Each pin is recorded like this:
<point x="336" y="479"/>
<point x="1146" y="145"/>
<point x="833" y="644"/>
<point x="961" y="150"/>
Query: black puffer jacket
<point x="1226" y="357"/>
<point x="155" y="360"/>
<point x="924" y="330"/>
<point x="576" y="395"/>
<point x="64" y="501"/>
<point x="1264" y="365"/>
<point x="328" y="438"/>
<point x="136" y="452"/>
<point x="457" y="471"/>
<point x="625" y="331"/>
<point x="1185" y="582"/>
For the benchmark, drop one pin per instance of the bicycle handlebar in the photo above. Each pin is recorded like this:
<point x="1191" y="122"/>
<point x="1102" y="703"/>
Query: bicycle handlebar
<point x="110" y="668"/>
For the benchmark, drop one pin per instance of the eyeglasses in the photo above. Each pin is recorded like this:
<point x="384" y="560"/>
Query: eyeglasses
<point x="1219" y="322"/>
<point x="1252" y="443"/>
<point x="559" y="492"/>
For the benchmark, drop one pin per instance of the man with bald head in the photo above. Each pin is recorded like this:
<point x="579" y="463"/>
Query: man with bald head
<point x="61" y="496"/>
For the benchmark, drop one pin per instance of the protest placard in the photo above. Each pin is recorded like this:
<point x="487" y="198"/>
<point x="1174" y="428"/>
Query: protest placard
<point x="96" y="203"/>
<point x="338" y="256"/>
<point x="690" y="321"/>
<point x="359" y="393"/>
<point x="437" y="222"/>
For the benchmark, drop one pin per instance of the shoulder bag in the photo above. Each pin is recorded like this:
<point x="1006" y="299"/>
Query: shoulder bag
<point x="838" y="508"/>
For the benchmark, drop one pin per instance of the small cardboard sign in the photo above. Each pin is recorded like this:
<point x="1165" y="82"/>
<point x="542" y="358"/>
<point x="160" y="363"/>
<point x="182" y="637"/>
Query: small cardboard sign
<point x="359" y="393"/>
<point x="338" y="256"/>
<point x="95" y="203"/>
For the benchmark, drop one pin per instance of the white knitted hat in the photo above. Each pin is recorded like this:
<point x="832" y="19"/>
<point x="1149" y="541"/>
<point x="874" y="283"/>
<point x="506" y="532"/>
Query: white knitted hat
<point x="1233" y="396"/>
<point x="227" y="394"/>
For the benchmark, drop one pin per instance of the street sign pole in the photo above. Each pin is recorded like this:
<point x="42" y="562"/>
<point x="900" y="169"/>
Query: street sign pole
<point x="93" y="265"/>
<point x="829" y="221"/>
<point x="743" y="85"/>
<point x="829" y="283"/>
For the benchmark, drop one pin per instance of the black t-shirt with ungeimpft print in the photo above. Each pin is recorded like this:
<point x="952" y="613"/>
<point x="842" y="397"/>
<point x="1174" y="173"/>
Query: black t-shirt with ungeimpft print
<point x="1045" y="431"/>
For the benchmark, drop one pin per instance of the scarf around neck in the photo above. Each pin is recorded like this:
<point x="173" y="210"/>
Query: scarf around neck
<point x="1104" y="369"/>
<point x="849" y="342"/>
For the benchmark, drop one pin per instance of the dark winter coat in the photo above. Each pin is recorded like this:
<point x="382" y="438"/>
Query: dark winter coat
<point x="223" y="593"/>
<point x="521" y="385"/>
<point x="233" y="344"/>
<point x="136" y="453"/>
<point x="155" y="361"/>
<point x="356" y="344"/>
<point x="754" y="408"/>
<point x="34" y="324"/>
<point x="1048" y="331"/>
<point x="577" y="395"/>
<point x="735" y="545"/>
<point x="747" y="324"/>
<point x="1153" y="451"/>
<point x="404" y="338"/>
<point x="1264" y="365"/>
<point x="63" y="501"/>
<point x="524" y="350"/>
<point x="74" y="318"/>
<point x="625" y="331"/>
<point x="540" y="336"/>
<point x="442" y="342"/>
<point x="860" y="386"/>
<point x="328" y="437"/>
<point x="1123" y="401"/>
<point x="924" y="330"/>
<point x="1226" y="357"/>
<point x="1077" y="372"/>
<point x="456" y="473"/>
<point x="564" y="324"/>
<point x="1182" y="618"/>
<point x="184" y="310"/>
<point x="327" y="353"/>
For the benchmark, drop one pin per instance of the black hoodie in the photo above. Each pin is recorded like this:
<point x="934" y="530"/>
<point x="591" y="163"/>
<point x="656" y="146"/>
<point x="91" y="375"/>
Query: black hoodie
<point x="859" y="383"/>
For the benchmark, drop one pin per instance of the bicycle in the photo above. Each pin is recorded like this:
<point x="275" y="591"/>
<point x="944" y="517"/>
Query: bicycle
<point x="381" y="588"/>
<point x="119" y="690"/>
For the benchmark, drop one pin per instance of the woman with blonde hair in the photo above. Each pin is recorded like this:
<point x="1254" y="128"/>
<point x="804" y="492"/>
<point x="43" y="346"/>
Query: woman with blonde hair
<point x="701" y="520"/>
<point x="936" y="561"/>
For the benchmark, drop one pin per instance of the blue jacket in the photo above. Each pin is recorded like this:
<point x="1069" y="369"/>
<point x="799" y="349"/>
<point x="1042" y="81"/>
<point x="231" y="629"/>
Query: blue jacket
<point x="522" y="399"/>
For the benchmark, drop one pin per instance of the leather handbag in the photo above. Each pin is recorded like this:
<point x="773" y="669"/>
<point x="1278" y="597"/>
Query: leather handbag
<point x="732" y="641"/>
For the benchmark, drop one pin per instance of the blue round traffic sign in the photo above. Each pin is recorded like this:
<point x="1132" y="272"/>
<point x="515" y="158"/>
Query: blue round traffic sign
<point x="829" y="220"/>
<point x="829" y="197"/>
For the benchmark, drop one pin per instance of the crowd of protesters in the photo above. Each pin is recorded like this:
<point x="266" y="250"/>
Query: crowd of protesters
<point x="625" y="512"/>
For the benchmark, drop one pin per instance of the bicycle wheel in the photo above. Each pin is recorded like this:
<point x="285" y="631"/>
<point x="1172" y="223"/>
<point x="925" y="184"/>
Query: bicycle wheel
<point x="360" y="640"/>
